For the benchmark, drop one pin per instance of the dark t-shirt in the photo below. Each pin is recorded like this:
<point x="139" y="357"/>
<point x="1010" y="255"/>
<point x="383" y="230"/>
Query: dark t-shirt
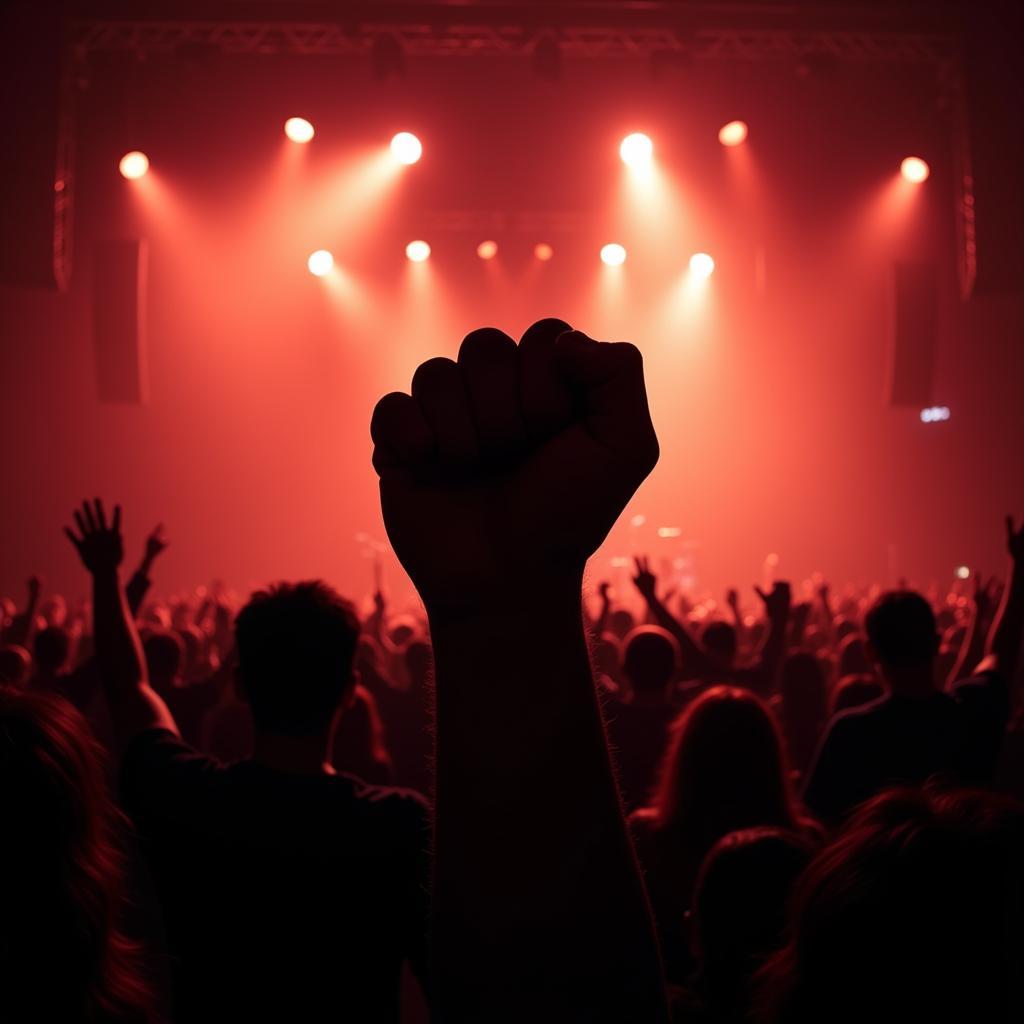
<point x="954" y="736"/>
<point x="285" y="897"/>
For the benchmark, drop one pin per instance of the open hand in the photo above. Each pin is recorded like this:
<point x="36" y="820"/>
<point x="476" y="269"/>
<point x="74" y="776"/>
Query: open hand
<point x="100" y="546"/>
<point x="507" y="468"/>
<point x="156" y="542"/>
<point x="1015" y="540"/>
<point x="645" y="580"/>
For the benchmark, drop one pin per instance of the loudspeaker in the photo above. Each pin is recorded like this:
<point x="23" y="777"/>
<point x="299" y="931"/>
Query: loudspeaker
<point x="915" y="326"/>
<point x="119" y="321"/>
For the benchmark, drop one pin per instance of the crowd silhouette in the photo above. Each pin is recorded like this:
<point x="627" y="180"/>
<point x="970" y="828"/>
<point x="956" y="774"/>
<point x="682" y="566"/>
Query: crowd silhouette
<point x="524" y="799"/>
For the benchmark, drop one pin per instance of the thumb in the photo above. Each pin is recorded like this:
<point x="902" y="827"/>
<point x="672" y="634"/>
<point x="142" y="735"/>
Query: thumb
<point x="607" y="380"/>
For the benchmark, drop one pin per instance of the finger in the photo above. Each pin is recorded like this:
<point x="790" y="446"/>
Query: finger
<point x="101" y="516"/>
<point x="440" y="392"/>
<point x="116" y="524"/>
<point x="74" y="540"/>
<point x="88" y="517"/>
<point x="545" y="401"/>
<point x="79" y="523"/>
<point x="760" y="593"/>
<point x="489" y="361"/>
<point x="401" y="435"/>
<point x="1009" y="529"/>
<point x="608" y="381"/>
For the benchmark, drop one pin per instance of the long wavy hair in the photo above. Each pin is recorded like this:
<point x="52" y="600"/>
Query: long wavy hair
<point x="63" y="955"/>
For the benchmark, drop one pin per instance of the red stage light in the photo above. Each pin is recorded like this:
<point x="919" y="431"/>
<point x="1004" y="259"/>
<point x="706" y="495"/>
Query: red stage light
<point x="134" y="164"/>
<point x="298" y="129"/>
<point x="701" y="265"/>
<point x="733" y="133"/>
<point x="320" y="262"/>
<point x="487" y="250"/>
<point x="543" y="251"/>
<point x="406" y="148"/>
<point x="914" y="169"/>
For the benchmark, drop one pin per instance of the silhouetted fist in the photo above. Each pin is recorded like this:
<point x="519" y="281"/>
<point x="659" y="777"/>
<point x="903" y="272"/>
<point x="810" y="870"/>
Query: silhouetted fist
<point x="508" y="467"/>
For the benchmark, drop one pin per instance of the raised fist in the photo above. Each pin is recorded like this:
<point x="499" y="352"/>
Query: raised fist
<point x="508" y="467"/>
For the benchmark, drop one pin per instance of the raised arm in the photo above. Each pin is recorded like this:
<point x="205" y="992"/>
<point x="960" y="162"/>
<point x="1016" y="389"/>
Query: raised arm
<point x="134" y="706"/>
<point x="777" y="604"/>
<point x="972" y="650"/>
<point x="695" y="660"/>
<point x="500" y="475"/>
<point x="23" y="625"/>
<point x="139" y="584"/>
<point x="1008" y="627"/>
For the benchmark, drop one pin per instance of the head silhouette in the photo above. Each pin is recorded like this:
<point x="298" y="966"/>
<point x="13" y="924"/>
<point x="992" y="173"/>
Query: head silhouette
<point x="50" y="650"/>
<point x="650" y="660"/>
<point x="902" y="632"/>
<point x="725" y="770"/>
<point x="62" y="955"/>
<point x="720" y="639"/>
<point x="165" y="656"/>
<point x="296" y="642"/>
<point x="853" y="656"/>
<point x="913" y="913"/>
<point x="15" y="665"/>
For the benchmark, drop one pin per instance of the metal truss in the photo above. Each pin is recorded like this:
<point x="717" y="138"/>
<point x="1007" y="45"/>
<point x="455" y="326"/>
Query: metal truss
<point x="484" y="40"/>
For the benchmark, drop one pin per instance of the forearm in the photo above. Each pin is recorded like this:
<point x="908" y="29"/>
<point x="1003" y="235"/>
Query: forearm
<point x="133" y="704"/>
<point x="538" y="903"/>
<point x="693" y="655"/>
<point x="773" y="650"/>
<point x="1008" y="627"/>
<point x="972" y="650"/>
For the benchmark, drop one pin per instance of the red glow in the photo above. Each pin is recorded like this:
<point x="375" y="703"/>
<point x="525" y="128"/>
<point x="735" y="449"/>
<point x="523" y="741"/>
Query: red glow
<point x="487" y="250"/>
<point x="134" y="165"/>
<point x="613" y="254"/>
<point x="733" y="134"/>
<point x="418" y="251"/>
<point x="914" y="169"/>
<point x="636" y="150"/>
<point x="406" y="148"/>
<point x="298" y="129"/>
<point x="543" y="251"/>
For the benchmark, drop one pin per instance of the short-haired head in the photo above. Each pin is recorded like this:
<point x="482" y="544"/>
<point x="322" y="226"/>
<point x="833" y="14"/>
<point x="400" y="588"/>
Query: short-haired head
<point x="296" y="643"/>
<point x="902" y="630"/>
<point x="649" y="659"/>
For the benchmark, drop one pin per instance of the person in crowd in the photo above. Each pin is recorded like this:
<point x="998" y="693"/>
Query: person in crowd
<point x="725" y="770"/>
<point x="638" y="720"/>
<point x="712" y="658"/>
<point x="915" y="912"/>
<point x="360" y="746"/>
<point x="802" y="707"/>
<point x="64" y="955"/>
<point x="288" y="891"/>
<point x="918" y="730"/>
<point x="15" y="666"/>
<point x="738" y="920"/>
<point x="500" y="474"/>
<point x="854" y="692"/>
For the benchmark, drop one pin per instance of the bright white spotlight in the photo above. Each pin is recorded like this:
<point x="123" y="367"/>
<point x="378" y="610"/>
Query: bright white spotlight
<point x="134" y="164"/>
<point x="298" y="129"/>
<point x="543" y="251"/>
<point x="636" y="150"/>
<point x="613" y="254"/>
<point x="914" y="169"/>
<point x="320" y="262"/>
<point x="963" y="572"/>
<point x="406" y="148"/>
<point x="417" y="251"/>
<point x="487" y="250"/>
<point x="733" y="133"/>
<point x="702" y="266"/>
<point x="935" y="414"/>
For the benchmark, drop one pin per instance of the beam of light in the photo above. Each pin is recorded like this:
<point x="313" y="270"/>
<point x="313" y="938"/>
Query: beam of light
<point x="320" y="263"/>
<point x="417" y="251"/>
<point x="487" y="250"/>
<point x="543" y="252"/>
<point x="133" y="165"/>
<point x="613" y="254"/>
<point x="914" y="169"/>
<point x="733" y="134"/>
<point x="702" y="266"/>
<point x="406" y="148"/>
<point x="935" y="414"/>
<point x="636" y="150"/>
<point x="298" y="129"/>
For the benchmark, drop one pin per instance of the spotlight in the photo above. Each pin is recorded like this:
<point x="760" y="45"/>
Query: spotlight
<point x="733" y="133"/>
<point x="134" y="164"/>
<point x="406" y="148"/>
<point x="935" y="414"/>
<point x="487" y="250"/>
<point x="636" y="150"/>
<point x="914" y="169"/>
<point x="543" y="251"/>
<point x="613" y="255"/>
<point x="702" y="266"/>
<point x="298" y="129"/>
<point x="320" y="263"/>
<point x="417" y="251"/>
<point x="962" y="572"/>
